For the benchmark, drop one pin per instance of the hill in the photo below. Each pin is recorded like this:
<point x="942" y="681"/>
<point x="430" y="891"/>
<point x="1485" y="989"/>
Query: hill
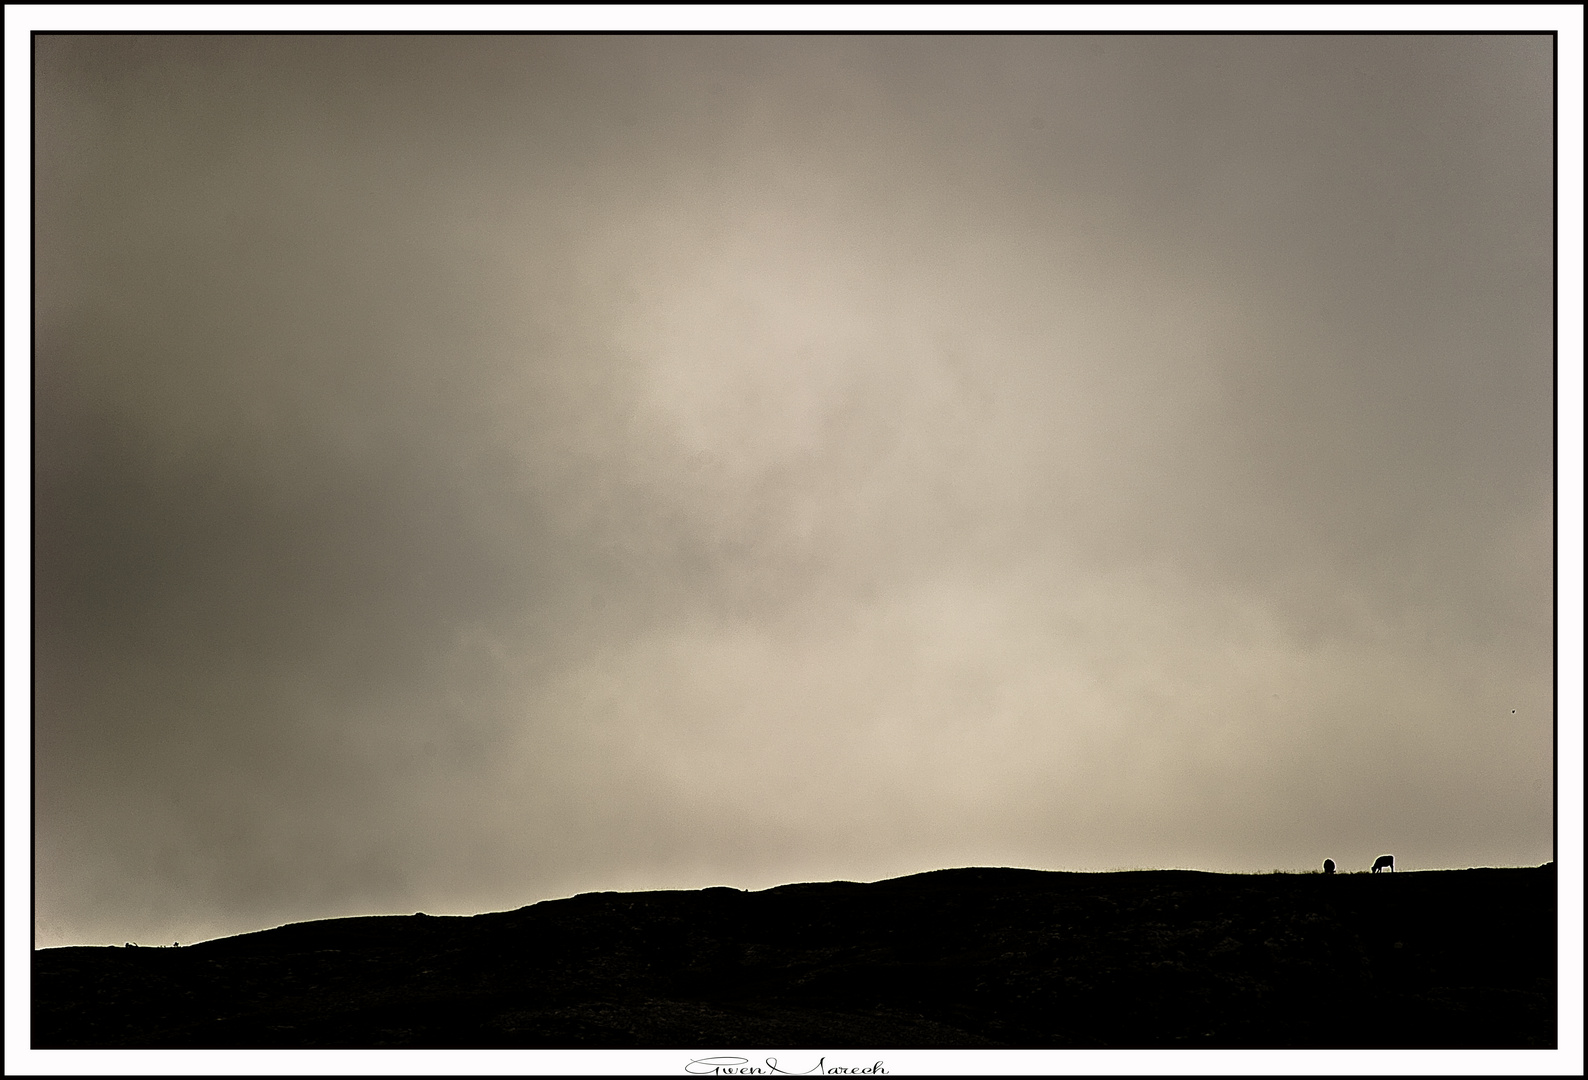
<point x="971" y="958"/>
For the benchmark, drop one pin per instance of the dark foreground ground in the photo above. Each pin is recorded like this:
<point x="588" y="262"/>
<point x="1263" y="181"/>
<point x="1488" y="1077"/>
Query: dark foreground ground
<point x="954" y="958"/>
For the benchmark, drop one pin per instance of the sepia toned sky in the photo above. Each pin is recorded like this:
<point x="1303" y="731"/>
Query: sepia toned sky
<point x="473" y="470"/>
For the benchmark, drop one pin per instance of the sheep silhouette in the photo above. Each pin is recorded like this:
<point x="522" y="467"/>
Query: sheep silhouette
<point x="1382" y="861"/>
<point x="1328" y="866"/>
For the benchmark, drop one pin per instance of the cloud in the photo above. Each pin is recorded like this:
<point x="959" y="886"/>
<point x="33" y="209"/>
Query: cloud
<point x="472" y="470"/>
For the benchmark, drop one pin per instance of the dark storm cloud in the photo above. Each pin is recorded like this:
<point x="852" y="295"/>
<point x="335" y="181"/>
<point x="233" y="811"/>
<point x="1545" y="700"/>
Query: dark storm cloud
<point x="473" y="469"/>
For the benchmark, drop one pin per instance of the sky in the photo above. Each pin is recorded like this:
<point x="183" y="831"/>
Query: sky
<point x="474" y="470"/>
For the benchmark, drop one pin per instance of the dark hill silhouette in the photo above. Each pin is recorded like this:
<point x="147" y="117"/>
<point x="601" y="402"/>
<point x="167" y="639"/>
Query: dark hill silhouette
<point x="953" y="958"/>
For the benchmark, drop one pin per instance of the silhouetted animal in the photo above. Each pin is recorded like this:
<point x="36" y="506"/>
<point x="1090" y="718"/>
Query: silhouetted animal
<point x="1382" y="861"/>
<point x="1328" y="866"/>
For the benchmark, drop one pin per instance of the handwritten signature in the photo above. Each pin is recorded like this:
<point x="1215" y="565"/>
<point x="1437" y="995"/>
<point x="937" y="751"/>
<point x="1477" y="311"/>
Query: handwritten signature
<point x="738" y="1066"/>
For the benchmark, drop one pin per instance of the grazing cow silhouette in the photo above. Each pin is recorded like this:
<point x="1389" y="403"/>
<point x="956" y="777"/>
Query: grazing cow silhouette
<point x="1328" y="866"/>
<point x="1383" y="861"/>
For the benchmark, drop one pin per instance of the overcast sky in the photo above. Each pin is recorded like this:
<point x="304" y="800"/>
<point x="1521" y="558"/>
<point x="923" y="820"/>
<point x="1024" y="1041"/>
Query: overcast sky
<point x="469" y="471"/>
